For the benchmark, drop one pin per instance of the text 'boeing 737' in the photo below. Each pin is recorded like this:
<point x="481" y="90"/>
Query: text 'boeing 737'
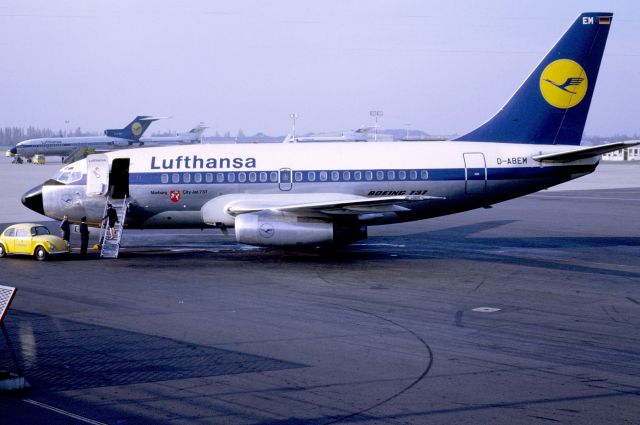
<point x="316" y="193"/>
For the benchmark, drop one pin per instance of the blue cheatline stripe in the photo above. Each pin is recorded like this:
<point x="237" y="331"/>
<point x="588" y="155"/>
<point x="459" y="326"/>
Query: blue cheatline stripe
<point x="350" y="176"/>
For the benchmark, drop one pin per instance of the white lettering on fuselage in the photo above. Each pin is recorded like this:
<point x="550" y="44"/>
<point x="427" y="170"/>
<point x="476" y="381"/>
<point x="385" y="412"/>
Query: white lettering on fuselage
<point x="194" y="162"/>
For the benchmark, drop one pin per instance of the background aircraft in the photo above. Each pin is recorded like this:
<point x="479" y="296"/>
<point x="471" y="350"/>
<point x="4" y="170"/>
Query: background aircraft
<point x="66" y="146"/>
<point x="359" y="135"/>
<point x="187" y="138"/>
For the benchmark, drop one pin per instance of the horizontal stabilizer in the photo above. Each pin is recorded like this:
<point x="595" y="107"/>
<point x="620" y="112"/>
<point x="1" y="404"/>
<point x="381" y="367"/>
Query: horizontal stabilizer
<point x="584" y="152"/>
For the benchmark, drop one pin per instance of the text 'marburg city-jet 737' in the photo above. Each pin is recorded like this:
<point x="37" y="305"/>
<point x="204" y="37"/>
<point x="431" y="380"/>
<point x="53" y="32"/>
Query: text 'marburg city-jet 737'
<point x="317" y="193"/>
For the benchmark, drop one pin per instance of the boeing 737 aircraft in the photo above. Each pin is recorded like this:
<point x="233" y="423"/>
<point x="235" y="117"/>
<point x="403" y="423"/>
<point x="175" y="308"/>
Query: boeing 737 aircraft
<point x="65" y="146"/>
<point x="316" y="193"/>
<point x="190" y="137"/>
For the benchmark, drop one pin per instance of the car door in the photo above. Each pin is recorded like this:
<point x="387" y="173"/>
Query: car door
<point x="22" y="241"/>
<point x="8" y="240"/>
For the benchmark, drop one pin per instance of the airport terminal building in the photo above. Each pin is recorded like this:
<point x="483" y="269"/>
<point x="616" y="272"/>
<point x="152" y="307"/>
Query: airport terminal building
<point x="628" y="154"/>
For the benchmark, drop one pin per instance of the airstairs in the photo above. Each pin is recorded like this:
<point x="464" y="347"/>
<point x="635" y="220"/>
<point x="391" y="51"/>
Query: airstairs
<point x="78" y="154"/>
<point x="110" y="248"/>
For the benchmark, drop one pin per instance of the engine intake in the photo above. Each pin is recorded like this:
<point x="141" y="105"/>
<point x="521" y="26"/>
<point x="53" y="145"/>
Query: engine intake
<point x="280" y="229"/>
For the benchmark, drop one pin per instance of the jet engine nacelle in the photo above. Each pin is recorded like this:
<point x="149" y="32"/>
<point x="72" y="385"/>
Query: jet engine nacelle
<point x="120" y="142"/>
<point x="281" y="229"/>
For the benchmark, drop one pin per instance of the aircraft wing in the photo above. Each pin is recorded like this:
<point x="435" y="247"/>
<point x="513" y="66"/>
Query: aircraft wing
<point x="355" y="205"/>
<point x="584" y="152"/>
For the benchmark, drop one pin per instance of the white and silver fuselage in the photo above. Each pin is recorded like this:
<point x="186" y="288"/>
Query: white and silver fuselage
<point x="169" y="186"/>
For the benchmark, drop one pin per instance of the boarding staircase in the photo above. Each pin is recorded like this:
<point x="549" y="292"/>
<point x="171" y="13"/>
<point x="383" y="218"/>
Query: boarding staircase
<point x="78" y="154"/>
<point x="110" y="248"/>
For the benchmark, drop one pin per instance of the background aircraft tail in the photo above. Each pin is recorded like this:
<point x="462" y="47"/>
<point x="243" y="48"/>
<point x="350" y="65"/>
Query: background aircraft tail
<point x="134" y="130"/>
<point x="552" y="104"/>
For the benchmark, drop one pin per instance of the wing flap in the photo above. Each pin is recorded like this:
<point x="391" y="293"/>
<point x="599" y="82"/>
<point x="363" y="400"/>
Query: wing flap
<point x="356" y="205"/>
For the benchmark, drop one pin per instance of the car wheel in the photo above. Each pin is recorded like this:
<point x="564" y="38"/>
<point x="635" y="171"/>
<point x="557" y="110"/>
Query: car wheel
<point x="40" y="254"/>
<point x="3" y="252"/>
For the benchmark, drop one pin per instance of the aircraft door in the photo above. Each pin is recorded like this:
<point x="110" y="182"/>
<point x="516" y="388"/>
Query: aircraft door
<point x="285" y="179"/>
<point x="119" y="178"/>
<point x="475" y="173"/>
<point x="97" y="175"/>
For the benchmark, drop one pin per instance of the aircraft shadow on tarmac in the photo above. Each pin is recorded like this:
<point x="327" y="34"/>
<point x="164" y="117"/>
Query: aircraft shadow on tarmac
<point x="453" y="243"/>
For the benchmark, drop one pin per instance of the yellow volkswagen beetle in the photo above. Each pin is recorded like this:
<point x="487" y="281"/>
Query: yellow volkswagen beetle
<point x="32" y="239"/>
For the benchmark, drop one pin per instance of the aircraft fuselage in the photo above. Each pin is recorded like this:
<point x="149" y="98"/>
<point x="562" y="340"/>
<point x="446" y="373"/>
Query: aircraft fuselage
<point x="170" y="186"/>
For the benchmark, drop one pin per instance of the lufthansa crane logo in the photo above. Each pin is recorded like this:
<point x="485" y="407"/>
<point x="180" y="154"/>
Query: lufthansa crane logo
<point x="266" y="230"/>
<point x="136" y="128"/>
<point x="563" y="83"/>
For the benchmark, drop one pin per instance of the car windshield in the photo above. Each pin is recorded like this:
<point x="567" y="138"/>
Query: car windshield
<point x="39" y="230"/>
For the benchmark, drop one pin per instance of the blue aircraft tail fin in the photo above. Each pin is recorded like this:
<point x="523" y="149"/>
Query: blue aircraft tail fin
<point x="134" y="130"/>
<point x="552" y="104"/>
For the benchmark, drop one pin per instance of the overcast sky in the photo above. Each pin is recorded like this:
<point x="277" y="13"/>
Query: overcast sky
<point x="444" y="67"/>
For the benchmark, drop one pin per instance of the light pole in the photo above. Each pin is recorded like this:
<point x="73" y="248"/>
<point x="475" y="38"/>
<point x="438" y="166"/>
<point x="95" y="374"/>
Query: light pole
<point x="294" y="117"/>
<point x="66" y="128"/>
<point x="408" y="125"/>
<point x="376" y="114"/>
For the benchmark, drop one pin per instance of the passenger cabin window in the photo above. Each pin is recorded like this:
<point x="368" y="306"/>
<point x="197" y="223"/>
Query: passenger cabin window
<point x="186" y="178"/>
<point x="164" y="178"/>
<point x="263" y="177"/>
<point x="368" y="175"/>
<point x="346" y="175"/>
<point x="197" y="178"/>
<point x="357" y="175"/>
<point x="391" y="175"/>
<point x="252" y="177"/>
<point x="379" y="175"/>
<point x="298" y="176"/>
<point x="231" y="177"/>
<point x="220" y="177"/>
<point x="424" y="174"/>
<point x="175" y="178"/>
<point x="208" y="178"/>
<point x="273" y="177"/>
<point x="242" y="177"/>
<point x="413" y="175"/>
<point x="311" y="176"/>
<point x="402" y="175"/>
<point x="323" y="176"/>
<point x="335" y="176"/>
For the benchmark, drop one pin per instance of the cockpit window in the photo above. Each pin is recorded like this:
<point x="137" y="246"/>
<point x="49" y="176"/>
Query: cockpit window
<point x="67" y="176"/>
<point x="39" y="230"/>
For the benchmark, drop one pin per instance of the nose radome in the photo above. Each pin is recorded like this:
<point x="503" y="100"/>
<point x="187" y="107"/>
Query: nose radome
<point x="32" y="199"/>
<point x="13" y="151"/>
